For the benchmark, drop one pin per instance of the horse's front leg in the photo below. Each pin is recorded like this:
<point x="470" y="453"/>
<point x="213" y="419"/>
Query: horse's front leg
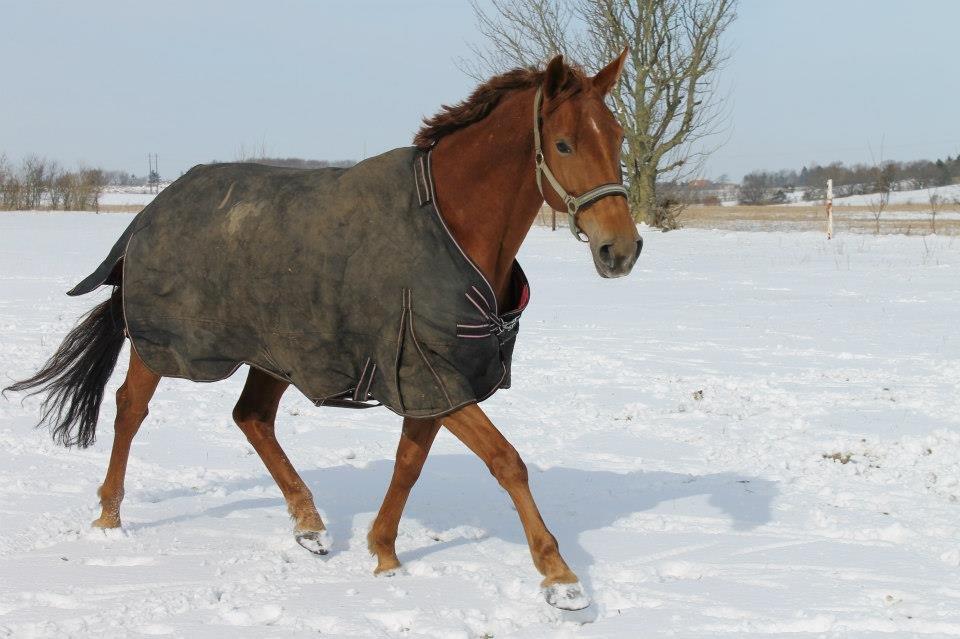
<point x="412" y="451"/>
<point x="472" y="426"/>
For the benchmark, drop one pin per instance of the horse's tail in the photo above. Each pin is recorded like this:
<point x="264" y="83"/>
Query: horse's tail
<point x="75" y="376"/>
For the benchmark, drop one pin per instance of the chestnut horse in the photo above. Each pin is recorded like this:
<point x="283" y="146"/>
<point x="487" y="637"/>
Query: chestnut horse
<point x="521" y="138"/>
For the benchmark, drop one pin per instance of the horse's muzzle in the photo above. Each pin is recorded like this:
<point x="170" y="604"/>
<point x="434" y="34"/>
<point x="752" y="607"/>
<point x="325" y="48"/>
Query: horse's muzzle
<point x="616" y="258"/>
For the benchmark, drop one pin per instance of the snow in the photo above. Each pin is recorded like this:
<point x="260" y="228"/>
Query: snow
<point x="900" y="215"/>
<point x="949" y="194"/>
<point x="753" y="435"/>
<point x="127" y="195"/>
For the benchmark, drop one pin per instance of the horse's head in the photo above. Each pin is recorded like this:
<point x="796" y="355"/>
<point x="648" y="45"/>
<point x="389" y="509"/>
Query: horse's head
<point x="580" y="142"/>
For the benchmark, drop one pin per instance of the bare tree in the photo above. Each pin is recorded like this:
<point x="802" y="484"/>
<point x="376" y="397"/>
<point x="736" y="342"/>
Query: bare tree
<point x="35" y="178"/>
<point x="39" y="183"/>
<point x="877" y="205"/>
<point x="937" y="202"/>
<point x="666" y="102"/>
<point x="755" y="188"/>
<point x="883" y="181"/>
<point x="91" y="183"/>
<point x="255" y="152"/>
<point x="51" y="184"/>
<point x="6" y="182"/>
<point x="61" y="189"/>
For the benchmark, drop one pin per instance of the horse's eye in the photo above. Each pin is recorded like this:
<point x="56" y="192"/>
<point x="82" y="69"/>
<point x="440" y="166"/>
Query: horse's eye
<point x="564" y="148"/>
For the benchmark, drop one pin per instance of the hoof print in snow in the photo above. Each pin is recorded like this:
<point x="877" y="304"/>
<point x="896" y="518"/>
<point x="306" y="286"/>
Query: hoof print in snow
<point x="318" y="543"/>
<point x="583" y="616"/>
<point x="566" y="596"/>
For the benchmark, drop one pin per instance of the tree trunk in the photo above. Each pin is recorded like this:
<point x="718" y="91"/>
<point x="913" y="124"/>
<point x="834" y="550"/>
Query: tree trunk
<point x="643" y="195"/>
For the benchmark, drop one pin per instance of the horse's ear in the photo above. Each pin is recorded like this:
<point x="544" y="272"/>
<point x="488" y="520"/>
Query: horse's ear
<point x="555" y="76"/>
<point x="607" y="78"/>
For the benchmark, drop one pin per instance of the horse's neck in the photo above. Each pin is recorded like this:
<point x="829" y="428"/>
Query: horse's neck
<point x="486" y="188"/>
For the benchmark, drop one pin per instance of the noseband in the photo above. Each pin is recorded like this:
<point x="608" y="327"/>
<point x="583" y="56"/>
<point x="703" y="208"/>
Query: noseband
<point x="575" y="203"/>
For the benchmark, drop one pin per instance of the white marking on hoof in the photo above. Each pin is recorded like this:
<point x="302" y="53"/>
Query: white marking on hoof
<point x="391" y="572"/>
<point x="566" y="596"/>
<point x="317" y="542"/>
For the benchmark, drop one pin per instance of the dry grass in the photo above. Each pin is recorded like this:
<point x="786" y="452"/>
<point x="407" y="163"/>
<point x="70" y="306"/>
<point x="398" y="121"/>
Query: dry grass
<point x="851" y="219"/>
<point x="104" y="208"/>
<point x="854" y="219"/>
<point x="121" y="208"/>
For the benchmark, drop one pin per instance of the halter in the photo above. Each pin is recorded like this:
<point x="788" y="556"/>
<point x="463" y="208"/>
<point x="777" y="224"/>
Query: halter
<point x="575" y="203"/>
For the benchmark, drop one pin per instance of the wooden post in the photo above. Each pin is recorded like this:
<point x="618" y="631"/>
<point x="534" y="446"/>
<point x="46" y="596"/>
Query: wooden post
<point x="553" y="224"/>
<point x="829" y="209"/>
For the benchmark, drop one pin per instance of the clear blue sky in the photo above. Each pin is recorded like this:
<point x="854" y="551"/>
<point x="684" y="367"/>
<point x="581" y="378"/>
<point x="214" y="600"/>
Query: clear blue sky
<point x="822" y="80"/>
<point x="107" y="82"/>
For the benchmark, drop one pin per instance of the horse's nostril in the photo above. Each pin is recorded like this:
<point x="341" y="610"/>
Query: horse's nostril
<point x="639" y="246"/>
<point x="605" y="253"/>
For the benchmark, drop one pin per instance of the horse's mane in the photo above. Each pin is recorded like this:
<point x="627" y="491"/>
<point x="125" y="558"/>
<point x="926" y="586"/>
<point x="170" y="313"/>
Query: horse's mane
<point x="486" y="96"/>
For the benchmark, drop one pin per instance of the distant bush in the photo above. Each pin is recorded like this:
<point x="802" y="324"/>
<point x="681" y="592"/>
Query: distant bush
<point x="39" y="183"/>
<point x="756" y="188"/>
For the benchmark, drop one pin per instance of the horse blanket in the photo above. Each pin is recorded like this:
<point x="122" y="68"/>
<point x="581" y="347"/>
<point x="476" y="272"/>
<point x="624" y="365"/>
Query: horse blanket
<point x="345" y="283"/>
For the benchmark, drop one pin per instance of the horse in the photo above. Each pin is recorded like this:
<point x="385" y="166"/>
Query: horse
<point x="522" y="138"/>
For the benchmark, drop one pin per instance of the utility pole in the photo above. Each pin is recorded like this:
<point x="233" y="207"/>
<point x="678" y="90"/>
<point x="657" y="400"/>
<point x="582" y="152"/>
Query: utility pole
<point x="153" y="174"/>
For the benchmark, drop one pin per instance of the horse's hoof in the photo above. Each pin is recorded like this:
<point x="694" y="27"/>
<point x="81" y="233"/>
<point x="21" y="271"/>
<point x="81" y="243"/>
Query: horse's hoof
<point x="317" y="542"/>
<point x="392" y="571"/>
<point x="566" y="596"/>
<point x="106" y="522"/>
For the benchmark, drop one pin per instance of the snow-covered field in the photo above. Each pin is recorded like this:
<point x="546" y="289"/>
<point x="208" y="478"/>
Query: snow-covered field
<point x="755" y="434"/>
<point x="948" y="194"/>
<point x="127" y="196"/>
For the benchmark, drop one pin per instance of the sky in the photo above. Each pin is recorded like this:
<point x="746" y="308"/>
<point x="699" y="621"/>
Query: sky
<point x="850" y="80"/>
<point x="106" y="82"/>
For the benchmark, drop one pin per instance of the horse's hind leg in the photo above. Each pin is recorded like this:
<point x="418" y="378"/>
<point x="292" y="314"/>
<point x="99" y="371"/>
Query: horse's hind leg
<point x="415" y="442"/>
<point x="132" y="399"/>
<point x="255" y="413"/>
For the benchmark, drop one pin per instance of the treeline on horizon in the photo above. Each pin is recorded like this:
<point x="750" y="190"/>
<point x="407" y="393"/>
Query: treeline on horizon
<point x="771" y="187"/>
<point x="299" y="163"/>
<point x="40" y="183"/>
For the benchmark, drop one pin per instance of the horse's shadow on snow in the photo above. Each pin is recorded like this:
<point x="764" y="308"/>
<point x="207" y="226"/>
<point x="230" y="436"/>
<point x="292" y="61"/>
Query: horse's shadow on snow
<point x="457" y="490"/>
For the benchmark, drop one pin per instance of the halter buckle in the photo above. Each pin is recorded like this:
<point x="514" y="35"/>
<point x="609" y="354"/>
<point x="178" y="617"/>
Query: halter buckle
<point x="572" y="209"/>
